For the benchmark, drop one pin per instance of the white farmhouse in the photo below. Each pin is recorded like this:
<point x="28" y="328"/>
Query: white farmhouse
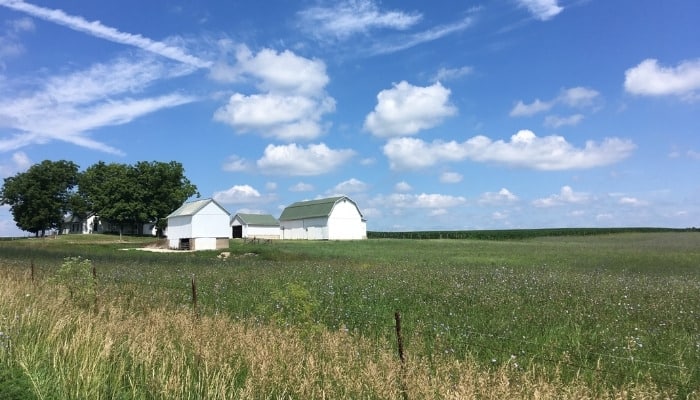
<point x="334" y="218"/>
<point x="261" y="226"/>
<point x="199" y="225"/>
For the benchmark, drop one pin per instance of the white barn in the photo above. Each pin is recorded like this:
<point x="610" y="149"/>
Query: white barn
<point x="199" y="225"/>
<point x="261" y="226"/>
<point x="333" y="218"/>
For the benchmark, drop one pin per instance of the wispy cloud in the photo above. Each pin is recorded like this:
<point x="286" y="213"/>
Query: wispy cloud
<point x="541" y="9"/>
<point x="403" y="42"/>
<point x="68" y="107"/>
<point x="348" y="18"/>
<point x="97" y="29"/>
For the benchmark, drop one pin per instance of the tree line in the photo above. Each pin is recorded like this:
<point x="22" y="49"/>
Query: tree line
<point x="41" y="198"/>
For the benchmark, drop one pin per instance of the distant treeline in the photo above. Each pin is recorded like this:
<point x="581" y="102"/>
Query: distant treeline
<point x="510" y="234"/>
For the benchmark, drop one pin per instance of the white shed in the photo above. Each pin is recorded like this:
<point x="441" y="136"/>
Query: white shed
<point x="262" y="226"/>
<point x="199" y="225"/>
<point x="334" y="218"/>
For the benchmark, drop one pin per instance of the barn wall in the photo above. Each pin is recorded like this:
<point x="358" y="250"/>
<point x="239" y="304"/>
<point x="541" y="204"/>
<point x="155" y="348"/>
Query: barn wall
<point x="263" y="232"/>
<point x="345" y="223"/>
<point x="179" y="227"/>
<point x="311" y="229"/>
<point x="211" y="221"/>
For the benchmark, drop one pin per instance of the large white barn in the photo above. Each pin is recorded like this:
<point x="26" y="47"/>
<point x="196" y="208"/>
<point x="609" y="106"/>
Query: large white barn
<point x="261" y="226"/>
<point x="199" y="225"/>
<point x="333" y="218"/>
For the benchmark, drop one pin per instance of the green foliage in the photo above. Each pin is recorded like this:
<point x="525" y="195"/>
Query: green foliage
<point x="293" y="305"/>
<point x="145" y="192"/>
<point x="40" y="197"/>
<point x="77" y="275"/>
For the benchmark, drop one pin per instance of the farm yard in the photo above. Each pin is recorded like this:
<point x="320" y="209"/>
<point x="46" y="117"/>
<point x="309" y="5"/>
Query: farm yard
<point x="600" y="315"/>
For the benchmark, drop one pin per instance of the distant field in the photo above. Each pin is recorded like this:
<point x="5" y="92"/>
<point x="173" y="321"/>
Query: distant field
<point x="597" y="313"/>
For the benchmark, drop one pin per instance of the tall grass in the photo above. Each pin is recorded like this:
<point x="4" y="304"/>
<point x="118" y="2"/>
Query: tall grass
<point x="53" y="349"/>
<point x="594" y="316"/>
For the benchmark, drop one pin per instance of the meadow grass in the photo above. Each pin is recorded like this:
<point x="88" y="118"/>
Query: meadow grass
<point x="579" y="317"/>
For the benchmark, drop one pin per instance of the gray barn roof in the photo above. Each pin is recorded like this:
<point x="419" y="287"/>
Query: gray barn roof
<point x="258" y="219"/>
<point x="193" y="207"/>
<point x="313" y="208"/>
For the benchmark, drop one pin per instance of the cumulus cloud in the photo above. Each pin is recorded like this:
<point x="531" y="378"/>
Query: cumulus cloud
<point x="450" y="177"/>
<point x="541" y="9"/>
<point x="292" y="101"/>
<point x="631" y="201"/>
<point x="524" y="149"/>
<point x="495" y="198"/>
<point x="565" y="196"/>
<point x="291" y="159"/>
<point x="651" y="79"/>
<point x="347" y="18"/>
<point x="350" y="186"/>
<point x="238" y="194"/>
<point x="406" y="109"/>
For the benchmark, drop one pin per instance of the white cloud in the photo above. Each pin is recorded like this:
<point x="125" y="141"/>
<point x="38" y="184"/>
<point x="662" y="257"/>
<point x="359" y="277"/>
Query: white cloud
<point x="97" y="29"/>
<point x="350" y="186"/>
<point x="316" y="159"/>
<point x="236" y="164"/>
<point x="450" y="177"/>
<point x="576" y="97"/>
<point x="525" y="110"/>
<point x="294" y="117"/>
<point x="408" y="41"/>
<point x="291" y="85"/>
<point x="501" y="197"/>
<point x="524" y="149"/>
<point x="566" y="196"/>
<point x="541" y="9"/>
<point x="406" y="109"/>
<point x="302" y="187"/>
<point x="423" y="200"/>
<point x="348" y="18"/>
<point x="10" y="45"/>
<point x="403" y="186"/>
<point x="448" y="74"/>
<point x="19" y="162"/>
<point x="555" y="121"/>
<point x="70" y="106"/>
<point x="631" y="201"/>
<point x="650" y="79"/>
<point x="238" y="194"/>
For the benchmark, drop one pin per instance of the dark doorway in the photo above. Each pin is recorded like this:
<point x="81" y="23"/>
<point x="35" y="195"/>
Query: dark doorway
<point x="238" y="231"/>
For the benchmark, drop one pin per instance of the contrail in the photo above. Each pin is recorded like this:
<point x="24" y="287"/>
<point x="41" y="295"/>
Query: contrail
<point x="97" y="29"/>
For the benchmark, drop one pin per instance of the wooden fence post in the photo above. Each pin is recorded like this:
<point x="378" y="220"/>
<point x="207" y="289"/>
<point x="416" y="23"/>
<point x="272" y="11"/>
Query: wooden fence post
<point x="194" y="295"/>
<point x="402" y="357"/>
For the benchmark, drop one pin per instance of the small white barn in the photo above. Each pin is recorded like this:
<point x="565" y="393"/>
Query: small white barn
<point x="261" y="226"/>
<point x="199" y="225"/>
<point x="333" y="218"/>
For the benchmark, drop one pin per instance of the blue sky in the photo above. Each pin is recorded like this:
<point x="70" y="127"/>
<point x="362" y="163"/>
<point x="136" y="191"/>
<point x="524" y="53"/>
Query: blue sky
<point x="453" y="115"/>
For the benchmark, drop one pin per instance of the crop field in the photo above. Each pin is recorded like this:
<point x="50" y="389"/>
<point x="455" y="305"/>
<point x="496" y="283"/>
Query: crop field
<point x="572" y="316"/>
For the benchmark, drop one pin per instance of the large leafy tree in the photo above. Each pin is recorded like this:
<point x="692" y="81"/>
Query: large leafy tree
<point x="40" y="197"/>
<point x="145" y="192"/>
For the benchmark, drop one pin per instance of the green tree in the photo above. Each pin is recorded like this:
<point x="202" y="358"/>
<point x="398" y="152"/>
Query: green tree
<point x="144" y="193"/>
<point x="40" y="197"/>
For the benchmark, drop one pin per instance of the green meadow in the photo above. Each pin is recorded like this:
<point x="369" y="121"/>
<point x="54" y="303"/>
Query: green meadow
<point x="607" y="315"/>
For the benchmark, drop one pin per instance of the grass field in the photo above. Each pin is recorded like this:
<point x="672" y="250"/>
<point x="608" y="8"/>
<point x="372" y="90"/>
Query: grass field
<point x="595" y="316"/>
